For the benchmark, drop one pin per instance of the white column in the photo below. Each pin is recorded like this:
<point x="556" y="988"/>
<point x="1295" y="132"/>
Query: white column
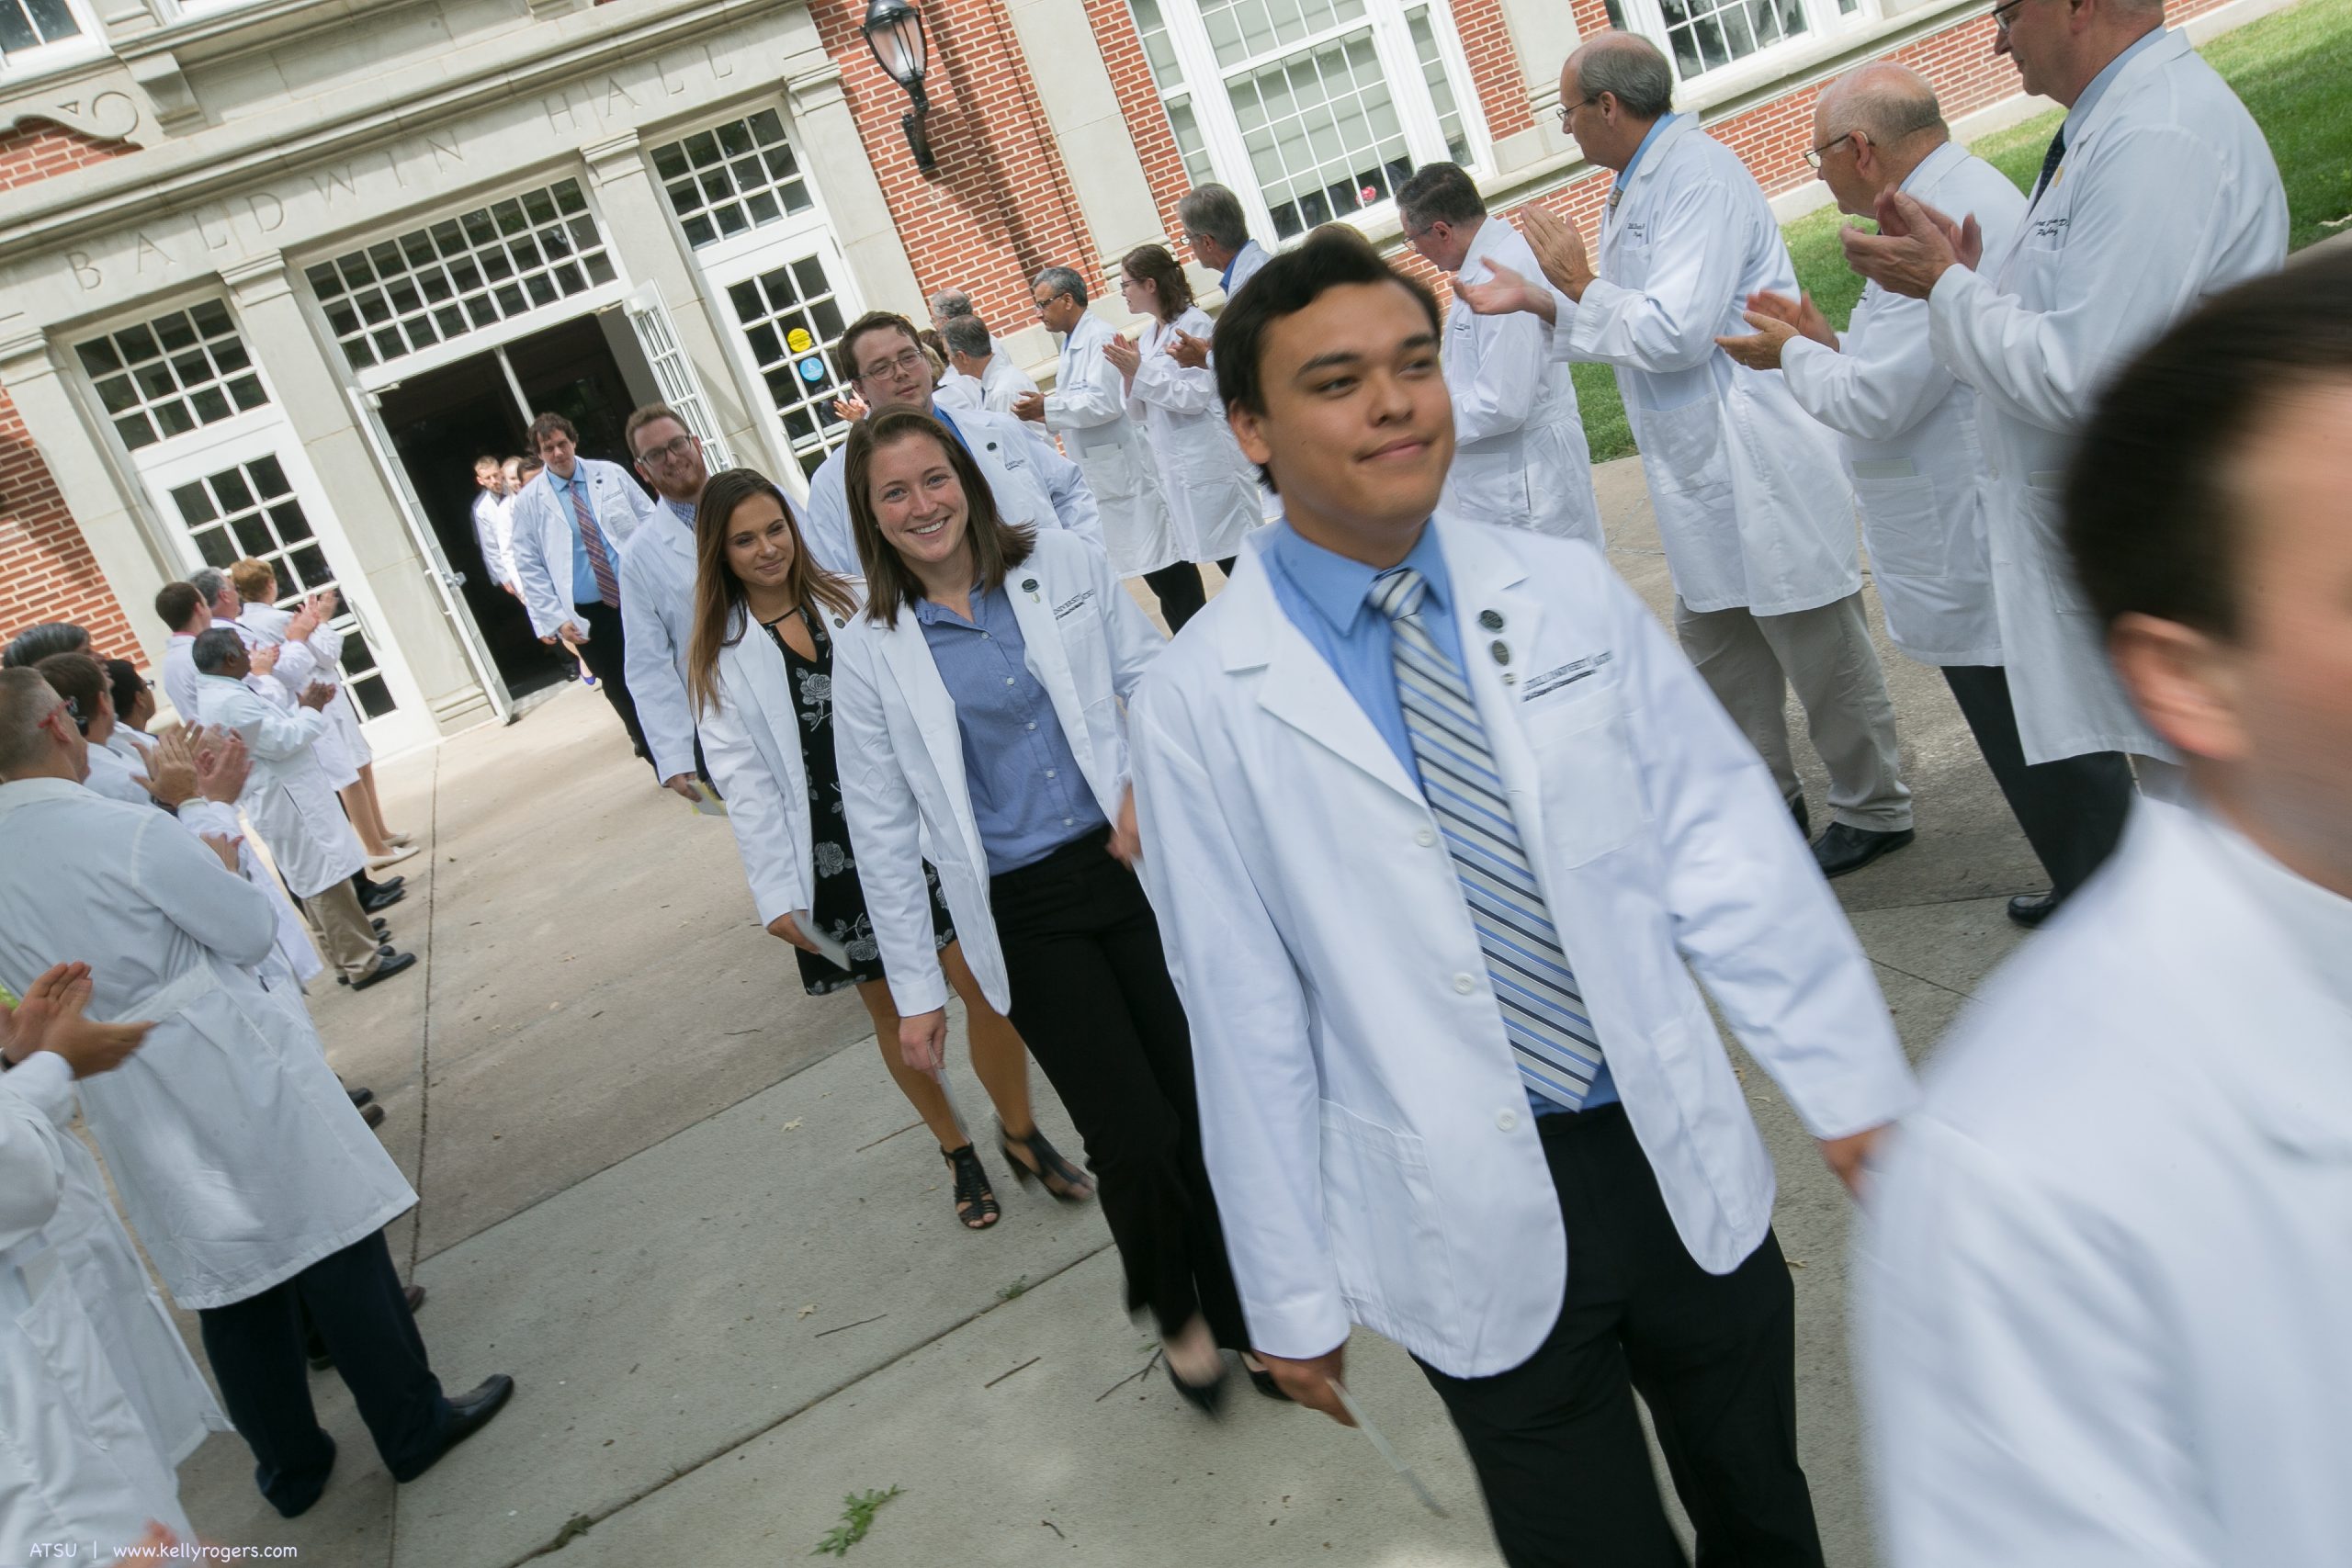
<point x="1096" y="145"/>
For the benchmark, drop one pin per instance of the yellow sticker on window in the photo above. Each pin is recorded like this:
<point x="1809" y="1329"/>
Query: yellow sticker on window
<point x="799" y="340"/>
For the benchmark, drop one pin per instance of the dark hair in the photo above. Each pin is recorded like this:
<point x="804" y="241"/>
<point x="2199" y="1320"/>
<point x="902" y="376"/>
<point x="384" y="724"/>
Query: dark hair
<point x="2153" y="519"/>
<point x="177" y="602"/>
<point x="997" y="545"/>
<point x="1332" y="257"/>
<point x="651" y="413"/>
<point x="1439" y="193"/>
<point x="212" y="649"/>
<point x="718" y="592"/>
<point x="547" y="424"/>
<point x="1153" y="265"/>
<point x="845" y="347"/>
<point x="968" y="335"/>
<point x="79" y="680"/>
<point x="126" y="685"/>
<point x="36" y="643"/>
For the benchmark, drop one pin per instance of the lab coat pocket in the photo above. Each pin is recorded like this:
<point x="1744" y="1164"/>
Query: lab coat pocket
<point x="1380" y="1206"/>
<point x="1688" y="446"/>
<point x="1902" y="524"/>
<point x="2045" y="511"/>
<point x="1584" y="754"/>
<point x="1492" y="485"/>
<point x="1109" y="471"/>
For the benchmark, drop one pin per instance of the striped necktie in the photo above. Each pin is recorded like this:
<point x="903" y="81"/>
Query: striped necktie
<point x="1552" y="1037"/>
<point x="600" y="560"/>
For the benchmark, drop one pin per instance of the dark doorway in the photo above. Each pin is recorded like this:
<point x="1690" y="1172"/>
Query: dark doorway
<point x="440" y="421"/>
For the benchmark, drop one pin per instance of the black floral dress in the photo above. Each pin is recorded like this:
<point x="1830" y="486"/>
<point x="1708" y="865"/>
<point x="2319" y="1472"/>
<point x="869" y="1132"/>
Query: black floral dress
<point x="837" y="903"/>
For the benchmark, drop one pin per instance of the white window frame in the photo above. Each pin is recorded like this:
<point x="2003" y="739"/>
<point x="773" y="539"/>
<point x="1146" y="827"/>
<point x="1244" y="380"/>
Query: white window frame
<point x="1220" y="130"/>
<point x="806" y="234"/>
<point x="725" y="250"/>
<point x="90" y="43"/>
<point x="1824" y="23"/>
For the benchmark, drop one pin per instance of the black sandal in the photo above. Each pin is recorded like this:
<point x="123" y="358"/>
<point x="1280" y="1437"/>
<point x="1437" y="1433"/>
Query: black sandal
<point x="1064" y="1181"/>
<point x="974" y="1203"/>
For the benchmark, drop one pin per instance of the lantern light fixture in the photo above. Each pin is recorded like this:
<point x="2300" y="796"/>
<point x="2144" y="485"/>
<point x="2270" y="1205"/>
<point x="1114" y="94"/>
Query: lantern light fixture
<point x="894" y="31"/>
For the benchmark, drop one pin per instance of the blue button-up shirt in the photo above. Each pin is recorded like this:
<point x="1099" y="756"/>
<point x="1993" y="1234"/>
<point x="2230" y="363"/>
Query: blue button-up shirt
<point x="1324" y="595"/>
<point x="684" y="510"/>
<point x="584" y="576"/>
<point x="1626" y="173"/>
<point x="1029" y="797"/>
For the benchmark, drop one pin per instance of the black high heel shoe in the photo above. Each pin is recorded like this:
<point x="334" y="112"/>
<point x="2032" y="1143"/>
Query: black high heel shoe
<point x="1264" y="1381"/>
<point x="974" y="1203"/>
<point x="1063" y="1180"/>
<point x="1208" y="1398"/>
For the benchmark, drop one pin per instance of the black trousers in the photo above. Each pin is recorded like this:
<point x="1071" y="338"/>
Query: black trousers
<point x="1180" y="591"/>
<point x="606" y="654"/>
<point x="1092" y="996"/>
<point x="353" y="1299"/>
<point x="2071" y="809"/>
<point x="1556" y="1441"/>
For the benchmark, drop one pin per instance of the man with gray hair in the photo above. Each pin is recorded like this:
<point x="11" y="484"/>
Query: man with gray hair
<point x="1753" y="506"/>
<point x="1218" y="232"/>
<point x="1908" y="435"/>
<point x="973" y="355"/>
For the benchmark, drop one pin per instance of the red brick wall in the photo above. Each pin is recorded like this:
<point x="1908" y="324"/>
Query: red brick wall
<point x="47" y="572"/>
<point x="1001" y="205"/>
<point x="1494" y="72"/>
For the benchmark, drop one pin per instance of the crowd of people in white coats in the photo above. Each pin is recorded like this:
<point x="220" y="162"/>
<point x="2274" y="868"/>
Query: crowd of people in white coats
<point x="1367" y="929"/>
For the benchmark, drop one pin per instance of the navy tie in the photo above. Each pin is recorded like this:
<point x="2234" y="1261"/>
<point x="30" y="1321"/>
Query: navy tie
<point x="2049" y="162"/>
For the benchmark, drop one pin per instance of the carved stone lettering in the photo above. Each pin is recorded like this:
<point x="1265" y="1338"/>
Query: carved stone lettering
<point x="326" y="182"/>
<point x="145" y="248"/>
<point x="267" y="212"/>
<point x="86" y="274"/>
<point x="444" y="153"/>
<point x="672" y="82"/>
<point x="213" y="228"/>
<point x="561" y="119"/>
<point x="718" y="70"/>
<point x="615" y="96"/>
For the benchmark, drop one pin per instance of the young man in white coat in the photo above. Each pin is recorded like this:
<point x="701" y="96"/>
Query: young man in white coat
<point x="570" y="526"/>
<point x="2103" y="1294"/>
<point x="1434" y="817"/>
<point x="185" y="613"/>
<point x="1520" y="456"/>
<point x="2157" y="191"/>
<point x="492" y="520"/>
<point x="882" y="360"/>
<point x="248" y="1175"/>
<point x="1907" y="430"/>
<point x="1753" y="506"/>
<point x="658" y="593"/>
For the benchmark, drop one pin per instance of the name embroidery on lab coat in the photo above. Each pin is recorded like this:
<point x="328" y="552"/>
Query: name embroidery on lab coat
<point x="1568" y="674"/>
<point x="1072" y="603"/>
<point x="2049" y="228"/>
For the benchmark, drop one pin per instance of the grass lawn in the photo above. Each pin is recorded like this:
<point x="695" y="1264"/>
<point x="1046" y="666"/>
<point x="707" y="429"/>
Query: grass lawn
<point x="2280" y="66"/>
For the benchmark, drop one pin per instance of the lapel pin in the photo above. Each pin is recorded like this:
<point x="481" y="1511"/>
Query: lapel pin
<point x="1500" y="650"/>
<point x="1491" y="619"/>
<point x="1029" y="586"/>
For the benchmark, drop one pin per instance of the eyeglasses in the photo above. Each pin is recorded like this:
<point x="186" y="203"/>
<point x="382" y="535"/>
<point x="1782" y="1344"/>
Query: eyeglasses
<point x="2001" y="14"/>
<point x="1568" y="111"/>
<point x="1047" y="303"/>
<point x="1813" y="156"/>
<point x="905" y="362"/>
<point x="669" y="451"/>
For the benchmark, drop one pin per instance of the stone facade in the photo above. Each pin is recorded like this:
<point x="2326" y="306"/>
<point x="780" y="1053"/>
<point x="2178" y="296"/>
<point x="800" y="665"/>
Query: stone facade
<point x="272" y="270"/>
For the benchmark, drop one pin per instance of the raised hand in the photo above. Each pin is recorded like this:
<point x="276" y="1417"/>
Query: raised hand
<point x="171" y="770"/>
<point x="848" y="407"/>
<point x="1191" y="353"/>
<point x="317" y="695"/>
<point x="50" y="1019"/>
<point x="1123" y="357"/>
<point x="263" y="660"/>
<point x="222" y="765"/>
<point x="1761" y="352"/>
<point x="1559" y="249"/>
<point x="1800" y="314"/>
<point x="1502" y="292"/>
<point x="1030" y="406"/>
<point x="1913" y="247"/>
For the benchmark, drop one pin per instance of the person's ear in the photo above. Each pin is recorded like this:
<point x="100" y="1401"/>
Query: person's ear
<point x="1250" y="430"/>
<point x="2185" y="682"/>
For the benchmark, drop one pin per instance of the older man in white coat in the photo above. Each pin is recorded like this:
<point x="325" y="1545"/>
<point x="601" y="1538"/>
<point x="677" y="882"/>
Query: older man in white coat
<point x="2103" y="1295"/>
<point x="1520" y="456"/>
<point x="2157" y="190"/>
<point x="249" y="1177"/>
<point x="881" y="359"/>
<point x="1907" y="429"/>
<point x="975" y="356"/>
<point x="1752" y="505"/>
<point x="1434" y="817"/>
<point x="93" y="1376"/>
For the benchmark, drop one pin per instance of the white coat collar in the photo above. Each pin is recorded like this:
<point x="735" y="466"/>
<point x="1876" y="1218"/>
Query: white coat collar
<point x="2154" y="58"/>
<point x="1483" y="244"/>
<point x="1933" y="169"/>
<point x="1654" y="160"/>
<point x="19" y="793"/>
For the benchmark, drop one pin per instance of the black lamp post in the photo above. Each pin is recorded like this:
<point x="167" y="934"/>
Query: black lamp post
<point x="893" y="31"/>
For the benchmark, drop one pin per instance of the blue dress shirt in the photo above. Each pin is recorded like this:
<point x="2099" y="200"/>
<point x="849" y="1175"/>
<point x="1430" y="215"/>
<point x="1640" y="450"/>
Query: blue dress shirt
<point x="1324" y="596"/>
<point x="1635" y="162"/>
<point x="584" y="576"/>
<point x="682" y="511"/>
<point x="1029" y="796"/>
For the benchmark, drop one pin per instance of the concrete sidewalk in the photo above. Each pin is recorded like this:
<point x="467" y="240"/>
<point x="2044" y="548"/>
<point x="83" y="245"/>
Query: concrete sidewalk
<point x="683" y="1204"/>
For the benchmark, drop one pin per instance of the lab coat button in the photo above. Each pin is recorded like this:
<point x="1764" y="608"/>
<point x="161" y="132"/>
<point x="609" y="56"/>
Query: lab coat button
<point x="1425" y="838"/>
<point x="1463" y="984"/>
<point x="1505" y="1120"/>
<point x="1051" y="772"/>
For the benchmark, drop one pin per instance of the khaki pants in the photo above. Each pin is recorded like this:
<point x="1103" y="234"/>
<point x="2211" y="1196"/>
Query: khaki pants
<point x="345" y="939"/>
<point x="1750" y="661"/>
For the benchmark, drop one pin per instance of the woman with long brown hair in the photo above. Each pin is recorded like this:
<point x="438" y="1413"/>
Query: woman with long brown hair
<point x="979" y="714"/>
<point x="758" y="673"/>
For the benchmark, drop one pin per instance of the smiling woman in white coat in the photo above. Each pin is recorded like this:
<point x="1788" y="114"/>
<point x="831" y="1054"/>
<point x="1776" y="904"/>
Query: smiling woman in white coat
<point x="977" y="700"/>
<point x="759" y="672"/>
<point x="2103" y="1297"/>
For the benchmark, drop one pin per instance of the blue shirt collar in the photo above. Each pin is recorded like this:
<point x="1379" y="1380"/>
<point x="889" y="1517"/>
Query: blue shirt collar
<point x="579" y="476"/>
<point x="2104" y="80"/>
<point x="930" y="613"/>
<point x="1224" y="278"/>
<point x="1635" y="162"/>
<point x="954" y="429"/>
<point x="1336" y="586"/>
<point x="681" y="510"/>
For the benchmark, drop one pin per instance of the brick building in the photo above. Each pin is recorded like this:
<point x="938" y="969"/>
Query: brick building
<point x="274" y="271"/>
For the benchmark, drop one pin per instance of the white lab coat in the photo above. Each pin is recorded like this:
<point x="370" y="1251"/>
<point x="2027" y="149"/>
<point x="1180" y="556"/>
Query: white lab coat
<point x="1519" y="456"/>
<point x="1907" y="432"/>
<point x="901" y="754"/>
<point x="179" y="678"/>
<point x="1752" y="503"/>
<point x="2169" y="194"/>
<point x="492" y="522"/>
<point x="1245" y="265"/>
<point x="1212" y="488"/>
<point x="116" y="779"/>
<point x="957" y="392"/>
<point x="80" y="1458"/>
<point x="1364" y="1119"/>
<point x="240" y="1159"/>
<point x="287" y="797"/>
<point x="1087" y="408"/>
<point x="1032" y="482"/>
<point x="656" y="572"/>
<point x="1003" y="383"/>
<point x="2102" y="1298"/>
<point x="545" y="537"/>
<point x="295" y="958"/>
<point x="342" y="748"/>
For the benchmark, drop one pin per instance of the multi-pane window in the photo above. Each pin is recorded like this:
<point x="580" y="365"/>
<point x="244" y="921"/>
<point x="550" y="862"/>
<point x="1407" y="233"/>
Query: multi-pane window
<point x="731" y="179"/>
<point x="250" y="509"/>
<point x="462" y="274"/>
<point x="28" y="25"/>
<point x="166" y="376"/>
<point x="1701" y="35"/>
<point x="1320" y="108"/>
<point x="791" y="320"/>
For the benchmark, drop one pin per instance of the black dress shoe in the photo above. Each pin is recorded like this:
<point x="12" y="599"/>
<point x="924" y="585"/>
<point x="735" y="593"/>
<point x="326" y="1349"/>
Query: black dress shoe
<point x="2029" y="909"/>
<point x="1803" y="818"/>
<point x="294" y="1502"/>
<point x="469" y="1414"/>
<point x="385" y="969"/>
<point x="373" y="1115"/>
<point x="383" y="899"/>
<point x="360" y="1096"/>
<point x="383" y="928"/>
<point x="1843" y="848"/>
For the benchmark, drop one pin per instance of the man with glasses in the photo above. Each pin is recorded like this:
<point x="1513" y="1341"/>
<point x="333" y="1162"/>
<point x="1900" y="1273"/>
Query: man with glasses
<point x="658" y="593"/>
<point x="2157" y="191"/>
<point x="883" y="362"/>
